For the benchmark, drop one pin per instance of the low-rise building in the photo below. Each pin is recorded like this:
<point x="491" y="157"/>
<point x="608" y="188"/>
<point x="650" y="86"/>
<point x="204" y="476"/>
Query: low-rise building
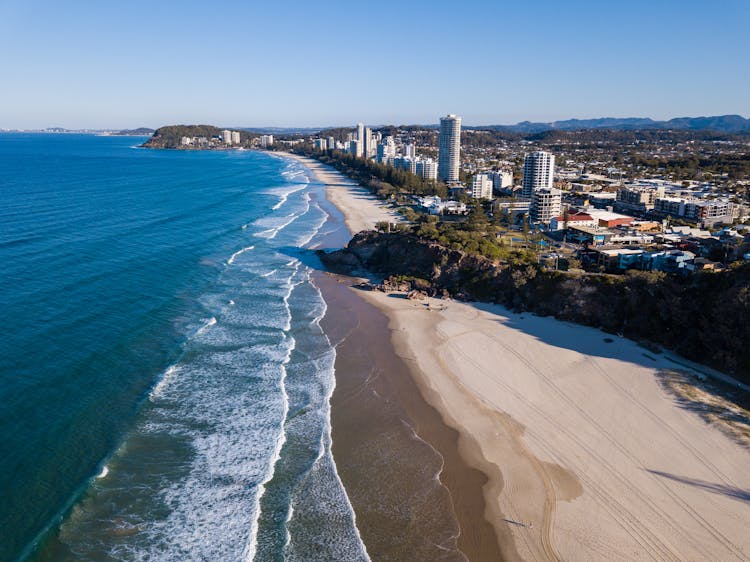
<point x="639" y="198"/>
<point x="574" y="218"/>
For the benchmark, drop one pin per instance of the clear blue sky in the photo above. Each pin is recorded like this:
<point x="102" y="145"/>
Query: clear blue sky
<point x="129" y="63"/>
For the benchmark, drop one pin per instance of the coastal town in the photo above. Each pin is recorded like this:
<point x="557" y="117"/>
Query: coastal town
<point x="570" y="205"/>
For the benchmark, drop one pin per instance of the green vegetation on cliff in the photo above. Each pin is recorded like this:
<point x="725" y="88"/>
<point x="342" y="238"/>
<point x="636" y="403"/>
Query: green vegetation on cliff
<point x="171" y="135"/>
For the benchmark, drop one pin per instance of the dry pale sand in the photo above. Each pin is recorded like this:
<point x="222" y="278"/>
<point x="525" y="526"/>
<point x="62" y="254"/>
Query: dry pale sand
<point x="361" y="210"/>
<point x="588" y="456"/>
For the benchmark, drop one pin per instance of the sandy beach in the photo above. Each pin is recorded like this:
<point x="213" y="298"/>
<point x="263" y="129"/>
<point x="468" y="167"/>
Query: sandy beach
<point x="361" y="210"/>
<point x="587" y="451"/>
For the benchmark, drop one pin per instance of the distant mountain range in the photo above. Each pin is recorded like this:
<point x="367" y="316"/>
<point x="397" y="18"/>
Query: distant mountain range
<point x="719" y="123"/>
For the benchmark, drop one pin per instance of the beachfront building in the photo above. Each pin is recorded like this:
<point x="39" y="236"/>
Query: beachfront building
<point x="405" y="163"/>
<point x="355" y="148"/>
<point x="235" y="137"/>
<point x="449" y="148"/>
<point x="538" y="173"/>
<point x="545" y="205"/>
<point x="386" y="151"/>
<point x="481" y="187"/>
<point x="226" y="136"/>
<point x="369" y="148"/>
<point x="427" y="168"/>
<point x="266" y="141"/>
<point x="321" y="144"/>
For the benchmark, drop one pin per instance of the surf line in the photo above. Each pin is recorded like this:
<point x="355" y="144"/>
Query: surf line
<point x="230" y="261"/>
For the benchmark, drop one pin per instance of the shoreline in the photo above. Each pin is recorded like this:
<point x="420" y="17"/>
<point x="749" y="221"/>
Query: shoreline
<point x="586" y="455"/>
<point x="379" y="396"/>
<point x="361" y="209"/>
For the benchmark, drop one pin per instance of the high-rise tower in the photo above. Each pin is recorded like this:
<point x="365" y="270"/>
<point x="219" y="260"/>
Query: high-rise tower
<point x="538" y="172"/>
<point x="449" y="148"/>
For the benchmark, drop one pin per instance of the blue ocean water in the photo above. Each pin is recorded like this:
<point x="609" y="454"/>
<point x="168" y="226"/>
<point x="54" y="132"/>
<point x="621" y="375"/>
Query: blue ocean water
<point x="164" y="380"/>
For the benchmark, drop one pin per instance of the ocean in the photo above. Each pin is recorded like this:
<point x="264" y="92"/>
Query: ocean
<point x="165" y="379"/>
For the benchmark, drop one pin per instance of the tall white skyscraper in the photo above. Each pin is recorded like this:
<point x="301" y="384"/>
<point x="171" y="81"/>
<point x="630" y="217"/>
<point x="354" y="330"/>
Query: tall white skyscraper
<point x="226" y="136"/>
<point x="235" y="137"/>
<point x="449" y="148"/>
<point x="538" y="172"/>
<point x="370" y="148"/>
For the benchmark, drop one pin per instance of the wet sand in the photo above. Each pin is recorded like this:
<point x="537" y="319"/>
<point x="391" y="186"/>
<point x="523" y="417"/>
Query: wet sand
<point x="414" y="496"/>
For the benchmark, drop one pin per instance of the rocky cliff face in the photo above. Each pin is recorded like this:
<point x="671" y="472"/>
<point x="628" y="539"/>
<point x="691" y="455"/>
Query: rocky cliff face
<point x="433" y="268"/>
<point x="702" y="316"/>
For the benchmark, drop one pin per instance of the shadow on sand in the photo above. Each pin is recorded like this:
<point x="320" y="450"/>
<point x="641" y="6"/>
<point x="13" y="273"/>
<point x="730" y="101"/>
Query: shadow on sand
<point x="729" y="491"/>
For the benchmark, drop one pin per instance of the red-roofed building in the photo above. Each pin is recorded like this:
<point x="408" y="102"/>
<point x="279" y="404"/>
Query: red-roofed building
<point x="575" y="218"/>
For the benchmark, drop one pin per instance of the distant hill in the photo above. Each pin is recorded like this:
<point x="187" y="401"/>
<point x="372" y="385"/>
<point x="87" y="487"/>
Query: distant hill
<point x="170" y="135"/>
<point x="719" y="123"/>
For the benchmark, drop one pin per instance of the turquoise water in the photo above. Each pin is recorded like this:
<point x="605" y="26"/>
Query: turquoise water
<point x="164" y="378"/>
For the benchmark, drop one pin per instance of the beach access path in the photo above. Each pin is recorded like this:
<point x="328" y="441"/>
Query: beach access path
<point x="588" y="455"/>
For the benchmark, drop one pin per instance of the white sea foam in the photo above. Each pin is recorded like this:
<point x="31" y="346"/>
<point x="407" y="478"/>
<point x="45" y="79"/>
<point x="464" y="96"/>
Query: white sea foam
<point x="271" y="233"/>
<point x="163" y="382"/>
<point x="230" y="261"/>
<point x="210" y="322"/>
<point x="228" y="400"/>
<point x="252" y="542"/>
<point x="284" y="194"/>
<point x="103" y="472"/>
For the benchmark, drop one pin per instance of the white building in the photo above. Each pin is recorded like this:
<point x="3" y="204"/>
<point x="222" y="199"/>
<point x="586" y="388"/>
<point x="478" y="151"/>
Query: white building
<point x="266" y="141"/>
<point x="186" y="141"/>
<point x="235" y="137"/>
<point x="427" y="168"/>
<point x="386" y="150"/>
<point x="449" y="148"/>
<point x="501" y="179"/>
<point x="538" y="172"/>
<point x="321" y="144"/>
<point x="226" y="136"/>
<point x="404" y="163"/>
<point x="360" y="146"/>
<point x="545" y="205"/>
<point x="410" y="151"/>
<point x="369" y="148"/>
<point x="355" y="148"/>
<point x="481" y="187"/>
